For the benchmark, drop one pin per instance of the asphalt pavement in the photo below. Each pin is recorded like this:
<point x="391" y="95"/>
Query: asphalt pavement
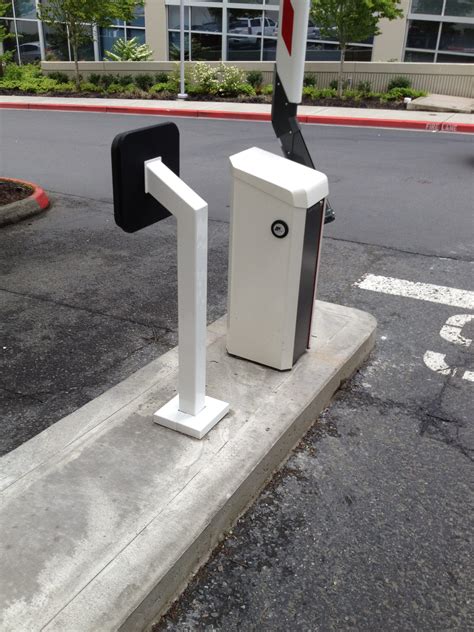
<point x="368" y="525"/>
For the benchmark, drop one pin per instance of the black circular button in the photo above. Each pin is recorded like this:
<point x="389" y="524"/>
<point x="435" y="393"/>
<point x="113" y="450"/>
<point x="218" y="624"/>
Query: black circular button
<point x="280" y="229"/>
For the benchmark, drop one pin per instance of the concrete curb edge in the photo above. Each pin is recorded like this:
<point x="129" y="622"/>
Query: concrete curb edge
<point x="32" y="205"/>
<point x="315" y="119"/>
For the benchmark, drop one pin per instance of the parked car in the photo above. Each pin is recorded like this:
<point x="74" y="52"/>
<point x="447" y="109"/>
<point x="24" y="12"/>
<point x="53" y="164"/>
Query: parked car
<point x="29" y="53"/>
<point x="250" y="26"/>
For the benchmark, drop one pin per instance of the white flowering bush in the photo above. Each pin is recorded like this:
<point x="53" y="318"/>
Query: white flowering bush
<point x="204" y="78"/>
<point x="230" y="79"/>
<point x="222" y="80"/>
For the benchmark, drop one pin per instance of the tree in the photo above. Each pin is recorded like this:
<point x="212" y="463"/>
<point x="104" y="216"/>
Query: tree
<point x="80" y="15"/>
<point x="4" y="34"/>
<point x="351" y="21"/>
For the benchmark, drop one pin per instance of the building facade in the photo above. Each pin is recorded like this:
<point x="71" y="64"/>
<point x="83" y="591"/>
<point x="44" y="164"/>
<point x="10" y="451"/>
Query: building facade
<point x="431" y="31"/>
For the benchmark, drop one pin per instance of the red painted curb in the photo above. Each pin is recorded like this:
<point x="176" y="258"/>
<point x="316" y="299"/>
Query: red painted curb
<point x="314" y="119"/>
<point x="38" y="195"/>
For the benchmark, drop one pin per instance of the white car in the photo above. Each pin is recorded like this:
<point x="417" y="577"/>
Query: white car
<point x="29" y="53"/>
<point x="250" y="26"/>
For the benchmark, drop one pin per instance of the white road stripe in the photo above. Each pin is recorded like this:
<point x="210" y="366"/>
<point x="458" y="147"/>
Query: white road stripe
<point x="421" y="291"/>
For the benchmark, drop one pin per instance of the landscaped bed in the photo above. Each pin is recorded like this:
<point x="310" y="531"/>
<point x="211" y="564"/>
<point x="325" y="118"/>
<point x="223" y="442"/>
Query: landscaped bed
<point x="12" y="191"/>
<point x="205" y="83"/>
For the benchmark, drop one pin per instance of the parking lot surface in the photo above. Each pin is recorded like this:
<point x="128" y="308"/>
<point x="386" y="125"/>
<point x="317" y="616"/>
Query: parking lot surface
<point x="367" y="526"/>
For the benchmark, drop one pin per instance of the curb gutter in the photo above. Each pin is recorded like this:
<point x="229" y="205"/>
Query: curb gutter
<point x="315" y="119"/>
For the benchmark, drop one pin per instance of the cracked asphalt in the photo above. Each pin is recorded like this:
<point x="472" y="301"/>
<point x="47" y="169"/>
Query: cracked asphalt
<point x="368" y="526"/>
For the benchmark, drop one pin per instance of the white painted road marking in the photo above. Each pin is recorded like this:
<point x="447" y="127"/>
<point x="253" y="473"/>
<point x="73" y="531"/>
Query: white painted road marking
<point x="420" y="291"/>
<point x="450" y="331"/>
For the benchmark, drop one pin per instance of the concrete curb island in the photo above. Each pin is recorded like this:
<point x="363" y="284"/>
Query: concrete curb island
<point x="105" y="515"/>
<point x="27" y="207"/>
<point x="317" y="115"/>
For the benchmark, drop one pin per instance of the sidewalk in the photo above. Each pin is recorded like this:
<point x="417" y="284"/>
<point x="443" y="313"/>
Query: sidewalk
<point x="318" y="115"/>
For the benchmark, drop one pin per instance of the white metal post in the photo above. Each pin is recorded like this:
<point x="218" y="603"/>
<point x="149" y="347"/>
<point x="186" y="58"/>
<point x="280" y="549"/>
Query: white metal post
<point x="182" y="92"/>
<point x="190" y="411"/>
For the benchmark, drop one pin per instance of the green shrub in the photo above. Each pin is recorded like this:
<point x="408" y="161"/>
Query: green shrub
<point x="268" y="89"/>
<point x="27" y="71"/>
<point x="399" y="82"/>
<point x="124" y="80"/>
<point x="114" y="88"/>
<point x="60" y="77"/>
<point x="95" y="78"/>
<point x="144" y="82"/>
<point x="88" y="86"/>
<point x="244" y="89"/>
<point x="345" y="84"/>
<point x="161" y="77"/>
<point x="319" y="93"/>
<point x="159" y="87"/>
<point x="364" y="86"/>
<point x="255" y="78"/>
<point x="397" y="94"/>
<point x="309" y="80"/>
<point x="107" y="80"/>
<point x="67" y="87"/>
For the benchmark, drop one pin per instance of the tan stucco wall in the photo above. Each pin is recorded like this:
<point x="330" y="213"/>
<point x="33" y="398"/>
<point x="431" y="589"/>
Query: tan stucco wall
<point x="388" y="46"/>
<point x="156" y="31"/>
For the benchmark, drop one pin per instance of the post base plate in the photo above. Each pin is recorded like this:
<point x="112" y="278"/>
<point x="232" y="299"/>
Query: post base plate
<point x="196" y="426"/>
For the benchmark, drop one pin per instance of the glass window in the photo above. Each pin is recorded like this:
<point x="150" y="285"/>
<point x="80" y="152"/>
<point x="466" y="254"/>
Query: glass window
<point x="86" y="50"/>
<point x="459" y="7"/>
<point x="269" y="49"/>
<point x="457" y="37"/>
<point x="422" y="34"/>
<point x="174" y="46"/>
<point x="206" y="19"/>
<point x="355" y="53"/>
<point x="317" y="51"/>
<point x="429" y="7"/>
<point x="56" y="43"/>
<point x="108" y="37"/>
<point x="25" y="9"/>
<point x="28" y="39"/>
<point x="244" y="31"/>
<point x="206" y="47"/>
<point x="173" y="17"/>
<point x="138" y="34"/>
<point x="446" y="58"/>
<point x="139" y="19"/>
<point x="416" y="56"/>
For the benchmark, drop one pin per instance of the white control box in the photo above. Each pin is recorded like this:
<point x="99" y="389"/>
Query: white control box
<point x="277" y="215"/>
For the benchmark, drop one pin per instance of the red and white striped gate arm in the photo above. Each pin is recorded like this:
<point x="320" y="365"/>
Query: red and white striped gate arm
<point x="291" y="46"/>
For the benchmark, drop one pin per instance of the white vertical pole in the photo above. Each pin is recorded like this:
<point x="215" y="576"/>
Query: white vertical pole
<point x="192" y="309"/>
<point x="182" y="92"/>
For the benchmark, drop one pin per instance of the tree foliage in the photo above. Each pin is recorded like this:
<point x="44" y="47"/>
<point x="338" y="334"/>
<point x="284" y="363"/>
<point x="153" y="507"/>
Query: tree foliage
<point x="79" y="15"/>
<point x="352" y="20"/>
<point x="4" y="34"/>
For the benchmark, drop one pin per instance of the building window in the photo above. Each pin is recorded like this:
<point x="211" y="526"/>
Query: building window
<point x="427" y="7"/>
<point x="446" y="30"/>
<point x="249" y="34"/>
<point x="462" y="8"/>
<point x="22" y="22"/>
